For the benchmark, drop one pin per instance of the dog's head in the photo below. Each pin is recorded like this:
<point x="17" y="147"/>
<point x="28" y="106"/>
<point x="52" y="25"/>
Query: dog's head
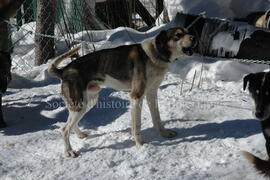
<point x="174" y="42"/>
<point x="259" y="88"/>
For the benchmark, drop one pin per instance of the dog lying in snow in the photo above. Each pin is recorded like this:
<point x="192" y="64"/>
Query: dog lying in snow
<point x="259" y="88"/>
<point x="139" y="68"/>
<point x="258" y="19"/>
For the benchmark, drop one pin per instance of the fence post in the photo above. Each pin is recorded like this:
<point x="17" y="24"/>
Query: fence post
<point x="44" y="26"/>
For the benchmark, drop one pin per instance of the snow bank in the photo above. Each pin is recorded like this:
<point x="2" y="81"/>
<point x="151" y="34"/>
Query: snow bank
<point x="214" y="70"/>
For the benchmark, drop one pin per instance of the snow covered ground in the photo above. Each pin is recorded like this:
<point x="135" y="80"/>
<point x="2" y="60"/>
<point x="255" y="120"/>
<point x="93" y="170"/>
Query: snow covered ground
<point x="214" y="122"/>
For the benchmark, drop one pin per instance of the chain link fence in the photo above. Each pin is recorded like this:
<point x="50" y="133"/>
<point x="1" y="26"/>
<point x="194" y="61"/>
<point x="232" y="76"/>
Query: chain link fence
<point x="42" y="29"/>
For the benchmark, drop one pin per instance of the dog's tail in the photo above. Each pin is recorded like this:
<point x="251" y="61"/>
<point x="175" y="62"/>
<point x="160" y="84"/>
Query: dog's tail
<point x="53" y="70"/>
<point x="262" y="166"/>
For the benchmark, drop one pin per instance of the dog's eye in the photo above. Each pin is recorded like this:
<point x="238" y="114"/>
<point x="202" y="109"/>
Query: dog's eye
<point x="178" y="36"/>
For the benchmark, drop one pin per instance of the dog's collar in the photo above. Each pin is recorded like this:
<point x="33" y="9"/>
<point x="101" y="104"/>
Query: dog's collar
<point x="161" y="57"/>
<point x="158" y="55"/>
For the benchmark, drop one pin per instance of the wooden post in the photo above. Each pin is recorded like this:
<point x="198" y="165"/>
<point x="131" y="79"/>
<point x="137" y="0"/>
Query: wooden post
<point x="45" y="26"/>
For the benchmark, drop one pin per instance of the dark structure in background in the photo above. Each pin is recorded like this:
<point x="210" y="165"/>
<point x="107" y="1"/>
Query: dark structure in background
<point x="8" y="9"/>
<point x="116" y="13"/>
<point x="251" y="18"/>
<point x="89" y="19"/>
<point x="227" y="39"/>
<point x="107" y="14"/>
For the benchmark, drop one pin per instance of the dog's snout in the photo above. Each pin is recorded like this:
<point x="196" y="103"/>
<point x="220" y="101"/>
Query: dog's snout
<point x="259" y="114"/>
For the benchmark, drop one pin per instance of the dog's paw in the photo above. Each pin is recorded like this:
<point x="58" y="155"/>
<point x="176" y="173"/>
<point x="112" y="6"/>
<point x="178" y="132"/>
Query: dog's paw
<point x="82" y="135"/>
<point x="72" y="153"/>
<point x="139" y="144"/>
<point x="138" y="141"/>
<point x="167" y="133"/>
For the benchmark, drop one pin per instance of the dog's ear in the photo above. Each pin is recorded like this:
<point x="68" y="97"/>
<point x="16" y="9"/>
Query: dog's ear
<point x="247" y="78"/>
<point x="161" y="39"/>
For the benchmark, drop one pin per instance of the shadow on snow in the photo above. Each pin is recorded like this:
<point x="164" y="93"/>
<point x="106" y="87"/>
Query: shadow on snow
<point x="27" y="117"/>
<point x="238" y="128"/>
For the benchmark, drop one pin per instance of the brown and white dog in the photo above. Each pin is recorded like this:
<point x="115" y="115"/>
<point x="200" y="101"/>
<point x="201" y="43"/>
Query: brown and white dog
<point x="139" y="68"/>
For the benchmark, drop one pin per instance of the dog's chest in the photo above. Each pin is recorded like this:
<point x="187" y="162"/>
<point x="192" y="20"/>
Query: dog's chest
<point x="155" y="75"/>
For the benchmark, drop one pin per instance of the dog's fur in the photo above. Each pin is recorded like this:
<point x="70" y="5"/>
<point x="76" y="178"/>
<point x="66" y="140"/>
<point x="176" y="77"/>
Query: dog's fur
<point x="259" y="88"/>
<point x="139" y="68"/>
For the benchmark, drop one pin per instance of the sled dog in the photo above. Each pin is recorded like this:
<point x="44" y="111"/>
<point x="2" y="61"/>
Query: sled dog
<point x="138" y="68"/>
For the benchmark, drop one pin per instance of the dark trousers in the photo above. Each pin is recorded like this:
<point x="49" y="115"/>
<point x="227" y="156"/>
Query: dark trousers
<point x="2" y="122"/>
<point x="266" y="132"/>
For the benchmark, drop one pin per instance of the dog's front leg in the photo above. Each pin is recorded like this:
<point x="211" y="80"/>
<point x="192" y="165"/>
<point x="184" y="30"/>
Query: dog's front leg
<point x="152" y="102"/>
<point x="136" y="109"/>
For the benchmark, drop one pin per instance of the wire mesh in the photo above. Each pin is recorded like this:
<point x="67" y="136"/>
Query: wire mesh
<point x="69" y="18"/>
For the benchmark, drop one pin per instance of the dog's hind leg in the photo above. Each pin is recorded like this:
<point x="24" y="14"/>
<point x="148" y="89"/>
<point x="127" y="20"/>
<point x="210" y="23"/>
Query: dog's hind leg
<point x="92" y="97"/>
<point x="136" y="108"/>
<point x="90" y="100"/>
<point x="73" y="118"/>
<point x="152" y="101"/>
<point x="80" y="134"/>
